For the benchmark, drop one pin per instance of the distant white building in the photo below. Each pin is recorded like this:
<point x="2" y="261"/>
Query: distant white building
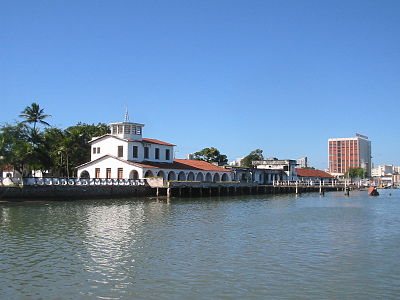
<point x="382" y="170"/>
<point x="125" y="154"/>
<point x="302" y="162"/>
<point x="273" y="169"/>
<point x="236" y="162"/>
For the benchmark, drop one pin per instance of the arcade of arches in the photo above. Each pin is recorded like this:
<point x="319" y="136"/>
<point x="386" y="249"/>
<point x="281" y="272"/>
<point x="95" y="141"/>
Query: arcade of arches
<point x="190" y="176"/>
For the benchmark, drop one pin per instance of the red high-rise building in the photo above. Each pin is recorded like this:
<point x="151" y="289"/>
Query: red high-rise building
<point x="346" y="153"/>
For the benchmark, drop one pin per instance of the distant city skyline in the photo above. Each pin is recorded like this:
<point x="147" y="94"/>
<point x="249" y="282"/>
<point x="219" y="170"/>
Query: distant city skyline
<point x="283" y="77"/>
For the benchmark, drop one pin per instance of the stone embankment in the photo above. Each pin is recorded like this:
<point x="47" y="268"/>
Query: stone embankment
<point x="150" y="188"/>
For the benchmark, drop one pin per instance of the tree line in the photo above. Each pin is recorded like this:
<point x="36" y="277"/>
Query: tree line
<point x="213" y="155"/>
<point x="33" y="144"/>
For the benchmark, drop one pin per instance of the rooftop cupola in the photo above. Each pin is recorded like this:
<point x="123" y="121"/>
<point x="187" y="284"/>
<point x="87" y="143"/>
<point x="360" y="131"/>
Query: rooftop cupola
<point x="126" y="129"/>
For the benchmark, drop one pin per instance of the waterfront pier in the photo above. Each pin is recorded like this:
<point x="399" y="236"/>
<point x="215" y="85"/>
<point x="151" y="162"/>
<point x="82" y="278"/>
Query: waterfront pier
<point x="78" y="188"/>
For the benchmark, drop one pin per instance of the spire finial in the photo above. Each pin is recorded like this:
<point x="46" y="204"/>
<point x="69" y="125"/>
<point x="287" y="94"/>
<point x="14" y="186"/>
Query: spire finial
<point x="126" y="119"/>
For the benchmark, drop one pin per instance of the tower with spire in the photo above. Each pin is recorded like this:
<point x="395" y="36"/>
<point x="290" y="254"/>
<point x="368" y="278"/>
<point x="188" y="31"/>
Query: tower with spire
<point x="127" y="129"/>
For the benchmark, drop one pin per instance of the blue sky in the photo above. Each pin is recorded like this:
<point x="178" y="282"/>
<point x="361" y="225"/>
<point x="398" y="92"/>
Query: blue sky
<point x="282" y="76"/>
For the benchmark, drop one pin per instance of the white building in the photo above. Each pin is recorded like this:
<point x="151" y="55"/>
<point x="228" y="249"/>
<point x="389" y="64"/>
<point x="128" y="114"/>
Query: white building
<point x="302" y="162"/>
<point x="273" y="169"/>
<point x="125" y="154"/>
<point x="236" y="162"/>
<point x="382" y="170"/>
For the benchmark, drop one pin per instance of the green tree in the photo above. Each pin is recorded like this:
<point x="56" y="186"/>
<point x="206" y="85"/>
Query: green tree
<point x="211" y="155"/>
<point x="34" y="114"/>
<point x="355" y="173"/>
<point x="74" y="148"/>
<point x="253" y="155"/>
<point x="15" y="149"/>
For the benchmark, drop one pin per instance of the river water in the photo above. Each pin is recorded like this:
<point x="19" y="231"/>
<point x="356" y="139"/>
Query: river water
<point x="247" y="247"/>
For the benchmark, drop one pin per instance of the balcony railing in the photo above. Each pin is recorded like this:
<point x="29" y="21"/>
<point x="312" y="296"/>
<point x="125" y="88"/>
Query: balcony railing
<point x="81" y="181"/>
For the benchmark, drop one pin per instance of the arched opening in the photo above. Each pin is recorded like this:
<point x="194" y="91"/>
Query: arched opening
<point x="134" y="175"/>
<point x="148" y="174"/>
<point x="161" y="174"/>
<point x="216" y="177"/>
<point x="225" y="177"/>
<point x="208" y="177"/>
<point x="85" y="175"/>
<point x="171" y="175"/>
<point x="200" y="177"/>
<point x="190" y="176"/>
<point x="181" y="176"/>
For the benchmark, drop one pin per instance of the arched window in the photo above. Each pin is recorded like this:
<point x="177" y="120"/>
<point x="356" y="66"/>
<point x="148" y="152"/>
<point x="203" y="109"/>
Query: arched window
<point x="85" y="174"/>
<point x="200" y="177"/>
<point x="208" y="177"/>
<point x="225" y="177"/>
<point x="161" y="174"/>
<point x="181" y="176"/>
<point x="171" y="175"/>
<point x="134" y="175"/>
<point x="148" y="174"/>
<point x="216" y="177"/>
<point x="190" y="176"/>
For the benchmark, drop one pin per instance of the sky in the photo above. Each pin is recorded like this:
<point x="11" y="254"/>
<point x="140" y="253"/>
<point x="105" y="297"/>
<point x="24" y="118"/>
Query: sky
<point x="282" y="76"/>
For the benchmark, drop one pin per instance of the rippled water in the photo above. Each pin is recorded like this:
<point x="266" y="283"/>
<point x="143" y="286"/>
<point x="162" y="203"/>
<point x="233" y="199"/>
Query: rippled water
<point x="254" y="247"/>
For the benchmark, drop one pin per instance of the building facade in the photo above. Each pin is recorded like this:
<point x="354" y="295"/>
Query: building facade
<point x="313" y="176"/>
<point x="273" y="169"/>
<point x="302" y="162"/>
<point x="383" y="170"/>
<point x="125" y="154"/>
<point x="346" y="153"/>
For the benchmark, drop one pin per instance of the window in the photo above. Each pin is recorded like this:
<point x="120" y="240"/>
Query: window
<point x="120" y="151"/>
<point x="94" y="150"/>
<point x="134" y="129"/>
<point x="120" y="129"/>
<point x="135" y="151"/>
<point x="97" y="173"/>
<point x="138" y="130"/>
<point x="114" y="129"/>
<point x="120" y="173"/>
<point x="146" y="152"/>
<point x="157" y="153"/>
<point x="108" y="173"/>
<point x="127" y="129"/>
<point x="98" y="150"/>
<point x="167" y="154"/>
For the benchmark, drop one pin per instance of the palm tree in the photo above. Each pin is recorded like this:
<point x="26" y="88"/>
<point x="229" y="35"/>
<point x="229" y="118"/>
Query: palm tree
<point x="34" y="114"/>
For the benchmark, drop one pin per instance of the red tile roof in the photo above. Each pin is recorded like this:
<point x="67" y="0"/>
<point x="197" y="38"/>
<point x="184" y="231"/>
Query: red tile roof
<point x="312" y="173"/>
<point x="178" y="164"/>
<point x="154" y="141"/>
<point x="146" y="140"/>
<point x="182" y="164"/>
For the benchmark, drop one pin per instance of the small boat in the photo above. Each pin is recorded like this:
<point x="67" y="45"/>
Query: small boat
<point x="372" y="191"/>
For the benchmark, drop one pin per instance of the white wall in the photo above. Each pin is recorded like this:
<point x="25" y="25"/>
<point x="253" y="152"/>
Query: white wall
<point x="109" y="145"/>
<point x="109" y="162"/>
<point x="152" y="148"/>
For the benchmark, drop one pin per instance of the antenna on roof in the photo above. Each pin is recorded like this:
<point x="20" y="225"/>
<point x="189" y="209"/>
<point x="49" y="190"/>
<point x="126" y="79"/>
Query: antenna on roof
<point x="126" y="119"/>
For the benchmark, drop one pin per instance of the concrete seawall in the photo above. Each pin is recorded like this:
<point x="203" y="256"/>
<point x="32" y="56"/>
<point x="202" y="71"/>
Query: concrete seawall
<point x="73" y="192"/>
<point x="172" y="189"/>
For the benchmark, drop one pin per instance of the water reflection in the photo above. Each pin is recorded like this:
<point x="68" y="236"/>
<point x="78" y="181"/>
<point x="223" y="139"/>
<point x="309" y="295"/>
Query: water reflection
<point x="256" y="247"/>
